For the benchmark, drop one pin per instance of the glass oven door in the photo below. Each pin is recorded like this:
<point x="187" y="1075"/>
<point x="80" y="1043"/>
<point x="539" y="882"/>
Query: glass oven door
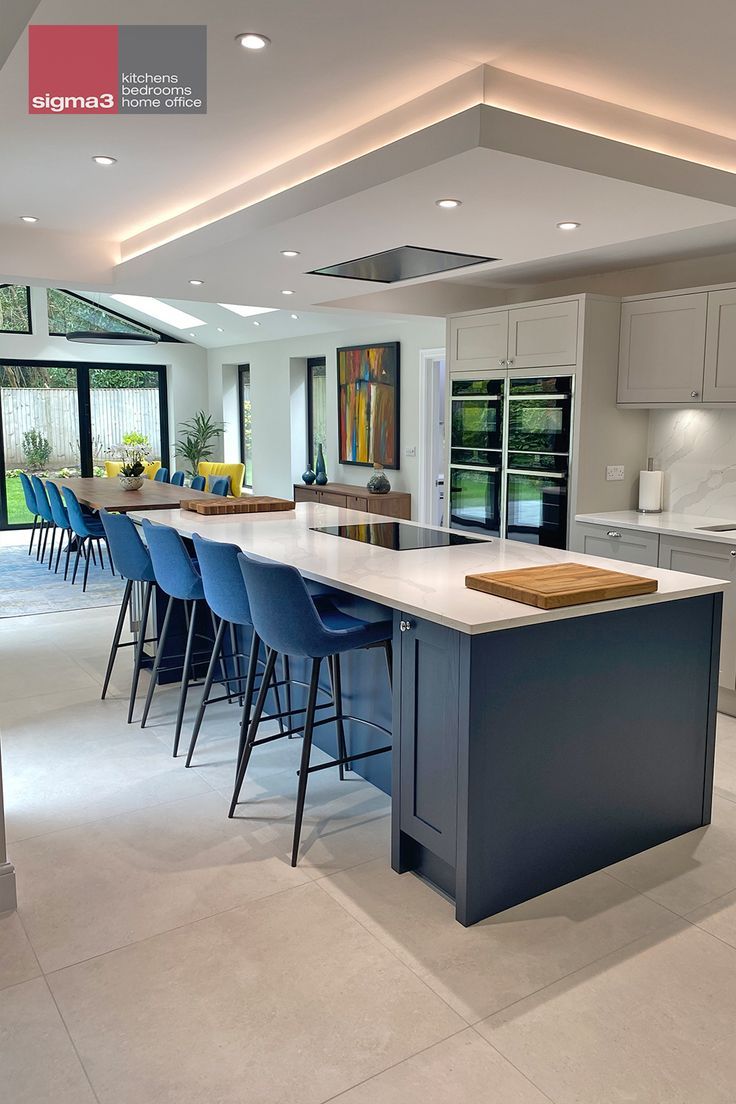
<point x="477" y="420"/>
<point x="540" y="414"/>
<point x="475" y="499"/>
<point x="536" y="499"/>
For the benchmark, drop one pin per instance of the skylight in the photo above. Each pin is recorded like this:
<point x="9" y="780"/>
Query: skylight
<point x="246" y="312"/>
<point x="171" y="316"/>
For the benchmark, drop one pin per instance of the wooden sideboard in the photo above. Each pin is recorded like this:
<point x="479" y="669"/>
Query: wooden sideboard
<point x="396" y="504"/>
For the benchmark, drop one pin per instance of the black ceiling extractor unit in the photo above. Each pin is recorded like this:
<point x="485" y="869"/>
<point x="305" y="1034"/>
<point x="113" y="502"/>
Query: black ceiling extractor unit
<point x="405" y="262"/>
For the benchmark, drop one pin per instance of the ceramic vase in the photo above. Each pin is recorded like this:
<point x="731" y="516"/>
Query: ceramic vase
<point x="319" y="468"/>
<point x="130" y="482"/>
<point x="378" y="482"/>
<point x="308" y="477"/>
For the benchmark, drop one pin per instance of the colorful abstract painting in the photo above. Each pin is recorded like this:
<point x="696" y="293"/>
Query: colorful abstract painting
<point x="368" y="404"/>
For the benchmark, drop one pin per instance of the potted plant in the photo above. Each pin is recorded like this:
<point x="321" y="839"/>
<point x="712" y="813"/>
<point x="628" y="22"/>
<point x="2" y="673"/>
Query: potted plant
<point x="197" y="437"/>
<point x="134" y="457"/>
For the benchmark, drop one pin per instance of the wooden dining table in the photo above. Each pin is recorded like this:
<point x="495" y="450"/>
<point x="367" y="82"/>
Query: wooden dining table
<point x="107" y="494"/>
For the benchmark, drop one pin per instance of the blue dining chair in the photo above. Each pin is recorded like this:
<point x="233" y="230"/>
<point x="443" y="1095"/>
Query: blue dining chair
<point x="60" y="515"/>
<point x="31" y="505"/>
<point x="133" y="562"/>
<point x="177" y="478"/>
<point x="43" y="507"/>
<point x="198" y="483"/>
<point x="291" y="622"/>
<point x="162" y="475"/>
<point x="178" y="577"/>
<point x="87" y="529"/>
<point x="220" y="486"/>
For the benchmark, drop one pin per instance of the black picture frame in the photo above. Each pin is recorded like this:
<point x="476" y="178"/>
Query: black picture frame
<point x="392" y="458"/>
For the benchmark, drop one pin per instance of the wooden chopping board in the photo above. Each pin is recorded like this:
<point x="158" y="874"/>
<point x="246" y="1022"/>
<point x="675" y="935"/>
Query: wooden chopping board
<point x="253" y="504"/>
<point x="557" y="585"/>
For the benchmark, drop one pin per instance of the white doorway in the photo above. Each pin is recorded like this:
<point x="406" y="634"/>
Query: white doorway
<point x="432" y="414"/>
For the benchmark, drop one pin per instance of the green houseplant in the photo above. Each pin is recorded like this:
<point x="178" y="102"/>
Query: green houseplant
<point x="196" y="439"/>
<point x="134" y="457"/>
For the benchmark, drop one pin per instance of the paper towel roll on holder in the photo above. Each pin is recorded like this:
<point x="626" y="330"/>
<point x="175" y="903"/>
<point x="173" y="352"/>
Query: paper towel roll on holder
<point x="651" y="484"/>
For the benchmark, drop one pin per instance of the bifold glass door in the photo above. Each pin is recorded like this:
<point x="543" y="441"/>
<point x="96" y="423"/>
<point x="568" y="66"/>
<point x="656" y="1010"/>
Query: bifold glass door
<point x="65" y="418"/>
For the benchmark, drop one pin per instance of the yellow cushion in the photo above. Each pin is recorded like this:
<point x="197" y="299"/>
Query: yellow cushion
<point x="213" y="471"/>
<point x="113" y="467"/>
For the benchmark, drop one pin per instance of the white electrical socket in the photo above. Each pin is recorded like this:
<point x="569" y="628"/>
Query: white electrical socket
<point x="614" y="472"/>
<point x="412" y="451"/>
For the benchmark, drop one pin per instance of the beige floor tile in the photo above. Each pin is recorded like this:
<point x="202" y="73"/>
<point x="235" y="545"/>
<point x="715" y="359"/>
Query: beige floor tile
<point x="87" y="890"/>
<point x="718" y="917"/>
<point x="725" y="772"/>
<point x="481" y="969"/>
<point x="26" y="663"/>
<point x="38" y="1064"/>
<point x="69" y="762"/>
<point x="460" y="1070"/>
<point x="281" y="1001"/>
<point x="17" y="960"/>
<point x="688" y="871"/>
<point x="652" y="1023"/>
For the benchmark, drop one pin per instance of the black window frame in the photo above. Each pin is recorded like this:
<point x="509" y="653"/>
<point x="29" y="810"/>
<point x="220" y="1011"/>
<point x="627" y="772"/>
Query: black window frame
<point x="243" y="370"/>
<point x="312" y="363"/>
<point x="116" y="314"/>
<point x="29" y="331"/>
<point x="84" y="408"/>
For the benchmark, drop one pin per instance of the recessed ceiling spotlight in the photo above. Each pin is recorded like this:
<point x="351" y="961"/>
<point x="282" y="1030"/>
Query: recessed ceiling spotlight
<point x="289" y="252"/>
<point x="287" y="292"/>
<point x="28" y="218"/>
<point x="220" y="329"/>
<point x="449" y="203"/>
<point x="104" y="159"/>
<point x="295" y="316"/>
<point x="196" y="283"/>
<point x="252" y="41"/>
<point x="256" y="323"/>
<point x="568" y="225"/>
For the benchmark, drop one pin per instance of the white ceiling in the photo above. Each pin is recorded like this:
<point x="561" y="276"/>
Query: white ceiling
<point x="332" y="68"/>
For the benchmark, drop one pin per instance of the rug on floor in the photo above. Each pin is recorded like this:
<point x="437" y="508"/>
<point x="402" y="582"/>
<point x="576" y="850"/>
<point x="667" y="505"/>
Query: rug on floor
<point x="29" y="587"/>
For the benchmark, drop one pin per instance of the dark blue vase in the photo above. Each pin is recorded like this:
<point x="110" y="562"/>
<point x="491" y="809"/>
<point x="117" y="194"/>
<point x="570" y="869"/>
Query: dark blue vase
<point x="308" y="477"/>
<point x="320" y="468"/>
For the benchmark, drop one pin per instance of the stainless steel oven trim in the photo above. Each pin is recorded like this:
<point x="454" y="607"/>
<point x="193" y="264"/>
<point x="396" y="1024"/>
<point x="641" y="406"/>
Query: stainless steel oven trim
<point x="475" y="467"/>
<point x="537" y="474"/>
<point x="546" y="397"/>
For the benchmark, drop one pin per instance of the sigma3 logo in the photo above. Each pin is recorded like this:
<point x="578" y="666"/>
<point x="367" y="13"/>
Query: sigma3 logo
<point x="47" y="102"/>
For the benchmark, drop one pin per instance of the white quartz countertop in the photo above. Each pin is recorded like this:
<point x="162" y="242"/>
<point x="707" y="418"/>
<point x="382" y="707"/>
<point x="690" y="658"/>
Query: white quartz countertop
<point x="427" y="583"/>
<point x="672" y="525"/>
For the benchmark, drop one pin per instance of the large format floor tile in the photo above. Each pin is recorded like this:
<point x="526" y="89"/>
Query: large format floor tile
<point x="481" y="969"/>
<point x="38" y="1064"/>
<point x="283" y="1000"/>
<point x="17" y="960"/>
<point x="652" y="1023"/>
<point x="688" y="871"/>
<point x="725" y="773"/>
<point x="463" y="1069"/>
<point x="84" y="891"/>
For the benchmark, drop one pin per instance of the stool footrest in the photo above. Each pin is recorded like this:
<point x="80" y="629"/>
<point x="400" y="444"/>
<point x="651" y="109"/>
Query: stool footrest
<point x="347" y="759"/>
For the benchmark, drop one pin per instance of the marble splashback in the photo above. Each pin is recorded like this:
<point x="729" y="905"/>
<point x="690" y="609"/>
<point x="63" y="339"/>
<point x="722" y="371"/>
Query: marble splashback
<point x="696" y="449"/>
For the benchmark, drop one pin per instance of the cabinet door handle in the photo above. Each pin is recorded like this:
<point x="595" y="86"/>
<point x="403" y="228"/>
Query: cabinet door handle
<point x="694" y="394"/>
<point x="733" y="551"/>
<point x="612" y="533"/>
<point x="502" y="363"/>
<point x="406" y="625"/>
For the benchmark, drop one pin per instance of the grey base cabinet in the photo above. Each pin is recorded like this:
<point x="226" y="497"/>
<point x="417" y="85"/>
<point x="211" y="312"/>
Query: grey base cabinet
<point x="524" y="759"/>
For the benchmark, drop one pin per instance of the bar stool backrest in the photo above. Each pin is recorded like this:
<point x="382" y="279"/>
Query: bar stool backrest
<point x="130" y="556"/>
<point x="43" y="506"/>
<point x="282" y="610"/>
<point x="28" y="493"/>
<point x="172" y="565"/>
<point x="76" y="515"/>
<point x="177" y="478"/>
<point x="162" y="475"/>
<point x="224" y="586"/>
<point x="58" y="509"/>
<point x="198" y="483"/>
<point x="220" y="486"/>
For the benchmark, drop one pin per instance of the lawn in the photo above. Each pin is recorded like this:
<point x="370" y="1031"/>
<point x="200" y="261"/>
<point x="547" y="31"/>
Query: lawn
<point x="17" y="510"/>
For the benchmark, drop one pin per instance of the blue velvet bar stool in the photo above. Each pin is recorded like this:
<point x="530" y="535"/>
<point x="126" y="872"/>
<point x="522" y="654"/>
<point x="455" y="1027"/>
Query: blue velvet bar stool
<point x="177" y="479"/>
<point x="133" y="562"/>
<point x="60" y="515"/>
<point x="220" y="486"/>
<point x="31" y="505"/>
<point x="178" y="577"/>
<point x="162" y="475"/>
<point x="198" y="483"/>
<point x="43" y="508"/>
<point x="87" y="529"/>
<point x="290" y="622"/>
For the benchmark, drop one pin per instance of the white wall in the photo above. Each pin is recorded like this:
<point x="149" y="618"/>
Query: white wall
<point x="186" y="365"/>
<point x="277" y="392"/>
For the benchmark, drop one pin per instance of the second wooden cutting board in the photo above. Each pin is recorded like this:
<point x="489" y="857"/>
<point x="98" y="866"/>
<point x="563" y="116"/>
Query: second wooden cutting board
<point x="557" y="585"/>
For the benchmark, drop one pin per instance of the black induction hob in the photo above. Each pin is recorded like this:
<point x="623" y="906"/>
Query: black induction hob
<point x="392" y="534"/>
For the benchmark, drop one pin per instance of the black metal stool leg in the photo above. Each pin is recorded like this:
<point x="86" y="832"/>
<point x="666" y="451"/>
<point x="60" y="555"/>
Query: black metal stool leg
<point x="47" y="526"/>
<point x="139" y="648"/>
<point x="33" y="533"/>
<point x="68" y="553"/>
<point x="185" y="678"/>
<point x="236" y="664"/>
<point x="333" y="665"/>
<point x="250" y="683"/>
<point x="287" y="680"/>
<point x="80" y="545"/>
<point x="209" y="679"/>
<point x="91" y="545"/>
<point x="51" y="552"/>
<point x="116" y="636"/>
<point x="304" y="767"/>
<point x="62" y="534"/>
<point x="252" y="730"/>
<point x="88" y="548"/>
<point x="157" y="660"/>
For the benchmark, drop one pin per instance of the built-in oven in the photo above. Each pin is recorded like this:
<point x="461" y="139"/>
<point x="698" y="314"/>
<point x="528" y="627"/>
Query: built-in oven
<point x="475" y="499"/>
<point x="540" y="410"/>
<point x="476" y="421"/>
<point x="536" y="498"/>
